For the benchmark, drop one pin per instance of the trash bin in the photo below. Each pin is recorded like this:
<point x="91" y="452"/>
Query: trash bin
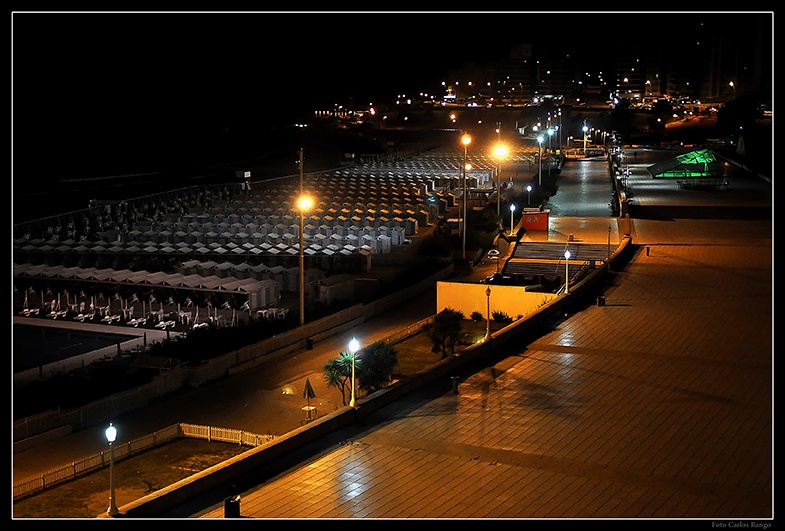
<point x="232" y="507"/>
<point x="601" y="300"/>
<point x="454" y="384"/>
<point x="309" y="344"/>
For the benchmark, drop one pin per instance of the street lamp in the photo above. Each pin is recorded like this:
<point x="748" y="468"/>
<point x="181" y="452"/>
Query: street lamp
<point x="111" y="435"/>
<point x="529" y="194"/>
<point x="304" y="204"/>
<point x="488" y="315"/>
<point x="585" y="130"/>
<point x="512" y="219"/>
<point x="500" y="151"/>
<point x="733" y="86"/>
<point x="567" y="272"/>
<point x="465" y="140"/>
<point x="539" y="144"/>
<point x="354" y="346"/>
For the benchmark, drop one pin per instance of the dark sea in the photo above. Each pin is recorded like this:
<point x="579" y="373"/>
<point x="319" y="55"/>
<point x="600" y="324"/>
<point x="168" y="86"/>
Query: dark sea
<point x="55" y="177"/>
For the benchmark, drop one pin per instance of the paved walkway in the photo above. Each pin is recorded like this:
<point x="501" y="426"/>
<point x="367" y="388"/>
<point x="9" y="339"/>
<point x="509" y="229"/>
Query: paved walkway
<point x="656" y="405"/>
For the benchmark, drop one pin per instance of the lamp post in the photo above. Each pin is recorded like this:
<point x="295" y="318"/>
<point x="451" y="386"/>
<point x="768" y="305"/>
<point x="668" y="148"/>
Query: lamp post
<point x="500" y="151"/>
<point x="567" y="272"/>
<point x="111" y="435"/>
<point x="528" y="195"/>
<point x="304" y="204"/>
<point x="354" y="346"/>
<point x="512" y="219"/>
<point x="733" y="86"/>
<point x="488" y="315"/>
<point x="539" y="156"/>
<point x="585" y="130"/>
<point x="465" y="140"/>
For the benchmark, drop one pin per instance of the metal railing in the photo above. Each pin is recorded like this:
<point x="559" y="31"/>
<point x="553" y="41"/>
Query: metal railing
<point x="95" y="462"/>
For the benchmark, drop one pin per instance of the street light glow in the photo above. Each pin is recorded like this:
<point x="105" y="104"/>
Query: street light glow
<point x="354" y="346"/>
<point x="540" y="139"/>
<point x="111" y="435"/>
<point x="465" y="140"/>
<point x="305" y="203"/>
<point x="512" y="219"/>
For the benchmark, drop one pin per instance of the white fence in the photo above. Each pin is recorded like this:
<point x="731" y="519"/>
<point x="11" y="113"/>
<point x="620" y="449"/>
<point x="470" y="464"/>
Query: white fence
<point x="95" y="462"/>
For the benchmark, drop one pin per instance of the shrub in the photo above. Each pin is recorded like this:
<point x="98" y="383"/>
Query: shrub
<point x="501" y="317"/>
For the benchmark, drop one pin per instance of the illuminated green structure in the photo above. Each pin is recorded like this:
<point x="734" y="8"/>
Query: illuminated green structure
<point x="695" y="164"/>
<point x="696" y="169"/>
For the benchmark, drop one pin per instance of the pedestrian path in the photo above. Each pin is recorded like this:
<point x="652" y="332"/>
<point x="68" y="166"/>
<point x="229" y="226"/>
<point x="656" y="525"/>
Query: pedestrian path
<point x="651" y="406"/>
<point x="645" y="408"/>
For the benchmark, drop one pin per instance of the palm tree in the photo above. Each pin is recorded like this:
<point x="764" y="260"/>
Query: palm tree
<point x="445" y="330"/>
<point x="338" y="373"/>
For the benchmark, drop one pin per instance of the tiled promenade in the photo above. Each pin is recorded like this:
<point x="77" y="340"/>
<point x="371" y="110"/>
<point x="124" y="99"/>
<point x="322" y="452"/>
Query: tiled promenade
<point x="656" y="405"/>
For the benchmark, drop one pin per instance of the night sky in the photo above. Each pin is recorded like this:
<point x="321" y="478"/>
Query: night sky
<point x="106" y="66"/>
<point x="89" y="86"/>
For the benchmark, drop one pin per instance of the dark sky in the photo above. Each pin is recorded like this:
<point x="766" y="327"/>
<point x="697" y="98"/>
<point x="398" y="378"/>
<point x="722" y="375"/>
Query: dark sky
<point x="92" y="66"/>
<point x="77" y="74"/>
<point x="81" y="80"/>
<point x="79" y="62"/>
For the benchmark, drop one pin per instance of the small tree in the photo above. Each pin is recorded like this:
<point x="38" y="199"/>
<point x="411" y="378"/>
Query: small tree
<point x="338" y="373"/>
<point x="378" y="361"/>
<point x="445" y="330"/>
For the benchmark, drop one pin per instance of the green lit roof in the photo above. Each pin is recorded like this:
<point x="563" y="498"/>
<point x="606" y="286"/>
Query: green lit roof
<point x="699" y="163"/>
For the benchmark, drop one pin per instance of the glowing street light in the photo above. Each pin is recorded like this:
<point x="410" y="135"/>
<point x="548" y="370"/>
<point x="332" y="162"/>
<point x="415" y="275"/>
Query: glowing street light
<point x="354" y="346"/>
<point x="567" y="272"/>
<point x="465" y="140"/>
<point x="500" y="152"/>
<point x="733" y="86"/>
<point x="539" y="144"/>
<point x="529" y="194"/>
<point x="304" y="204"/>
<point x="585" y="130"/>
<point x="111" y="435"/>
<point x="512" y="219"/>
